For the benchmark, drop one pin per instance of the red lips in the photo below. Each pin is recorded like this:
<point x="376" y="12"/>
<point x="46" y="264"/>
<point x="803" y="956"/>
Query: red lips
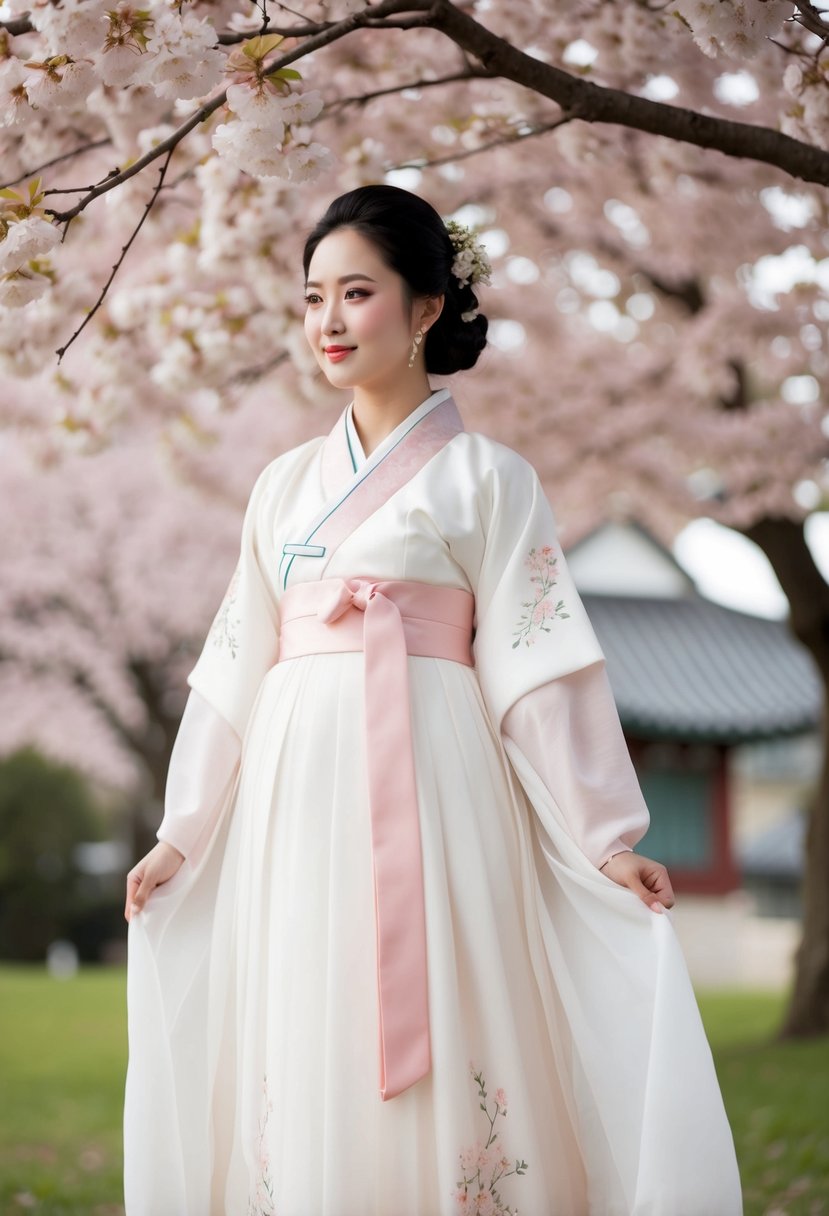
<point x="336" y="354"/>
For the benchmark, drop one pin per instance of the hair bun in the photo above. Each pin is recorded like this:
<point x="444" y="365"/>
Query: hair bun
<point x="452" y="344"/>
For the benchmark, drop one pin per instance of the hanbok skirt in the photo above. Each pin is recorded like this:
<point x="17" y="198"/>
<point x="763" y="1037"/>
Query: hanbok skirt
<point x="570" y="1074"/>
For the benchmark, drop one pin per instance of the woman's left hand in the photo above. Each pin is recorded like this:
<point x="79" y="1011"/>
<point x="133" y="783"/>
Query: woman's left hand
<point x="648" y="878"/>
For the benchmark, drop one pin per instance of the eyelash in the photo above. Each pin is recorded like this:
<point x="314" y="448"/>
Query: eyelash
<point x="309" y="299"/>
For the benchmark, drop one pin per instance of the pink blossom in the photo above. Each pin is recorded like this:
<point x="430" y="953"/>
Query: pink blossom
<point x="542" y="611"/>
<point x="63" y="87"/>
<point x="254" y="149"/>
<point x="14" y="100"/>
<point x="488" y="1157"/>
<point x="484" y="1204"/>
<point x="260" y="107"/>
<point x="308" y="161"/>
<point x="75" y="27"/>
<point x="21" y="287"/>
<point x="501" y="1099"/>
<point x="733" y="26"/>
<point x="183" y="61"/>
<point x="27" y="239"/>
<point x="468" y="1157"/>
<point x="302" y="107"/>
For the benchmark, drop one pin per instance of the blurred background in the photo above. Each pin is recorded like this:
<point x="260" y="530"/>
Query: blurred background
<point x="658" y="349"/>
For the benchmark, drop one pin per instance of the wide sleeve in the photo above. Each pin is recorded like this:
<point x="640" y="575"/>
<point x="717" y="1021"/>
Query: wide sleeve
<point x="242" y="644"/>
<point x="202" y="768"/>
<point x="612" y="979"/>
<point x="570" y="732"/>
<point x="530" y="624"/>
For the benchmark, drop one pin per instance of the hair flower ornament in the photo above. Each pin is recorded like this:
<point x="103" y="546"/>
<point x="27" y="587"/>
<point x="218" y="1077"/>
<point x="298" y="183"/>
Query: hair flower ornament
<point x="471" y="264"/>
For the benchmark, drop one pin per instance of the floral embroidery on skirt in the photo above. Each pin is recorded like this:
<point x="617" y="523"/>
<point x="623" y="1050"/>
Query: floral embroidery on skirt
<point x="485" y="1164"/>
<point x="261" y="1203"/>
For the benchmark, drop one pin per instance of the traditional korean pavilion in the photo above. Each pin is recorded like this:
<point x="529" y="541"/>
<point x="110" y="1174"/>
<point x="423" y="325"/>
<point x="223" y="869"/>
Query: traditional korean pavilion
<point x="692" y="679"/>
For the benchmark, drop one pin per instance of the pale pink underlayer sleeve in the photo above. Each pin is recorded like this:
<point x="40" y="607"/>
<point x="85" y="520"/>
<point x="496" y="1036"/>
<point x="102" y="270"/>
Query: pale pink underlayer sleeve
<point x="202" y="764"/>
<point x="570" y="732"/>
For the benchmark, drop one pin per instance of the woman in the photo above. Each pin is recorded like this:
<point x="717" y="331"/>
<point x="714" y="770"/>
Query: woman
<point x="394" y="954"/>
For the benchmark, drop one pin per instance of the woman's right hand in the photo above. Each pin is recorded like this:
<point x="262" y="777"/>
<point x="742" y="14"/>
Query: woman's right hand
<point x="159" y="865"/>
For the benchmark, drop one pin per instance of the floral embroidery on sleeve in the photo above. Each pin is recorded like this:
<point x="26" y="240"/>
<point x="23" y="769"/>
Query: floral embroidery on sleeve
<point x="485" y="1164"/>
<point x="223" y="631"/>
<point x="541" y="609"/>
<point x="261" y="1202"/>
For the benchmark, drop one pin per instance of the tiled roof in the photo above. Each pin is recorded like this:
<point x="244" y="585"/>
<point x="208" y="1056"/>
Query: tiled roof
<point x="691" y="669"/>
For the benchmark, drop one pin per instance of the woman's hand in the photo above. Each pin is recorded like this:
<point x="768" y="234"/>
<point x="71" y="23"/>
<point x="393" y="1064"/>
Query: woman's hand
<point x="649" y="879"/>
<point x="160" y="864"/>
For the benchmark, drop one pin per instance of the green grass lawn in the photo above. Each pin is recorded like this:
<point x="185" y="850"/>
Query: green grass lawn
<point x="63" y="1061"/>
<point x="777" y="1098"/>
<point x="63" y="1054"/>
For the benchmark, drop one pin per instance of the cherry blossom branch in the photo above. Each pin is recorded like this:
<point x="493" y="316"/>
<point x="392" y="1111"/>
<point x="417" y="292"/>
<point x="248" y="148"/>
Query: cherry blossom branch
<point x="400" y="23"/>
<point x="147" y="209"/>
<point x="591" y="102"/>
<point x="308" y="30"/>
<point x="332" y="34"/>
<point x="540" y="129"/>
<point x="360" y="99"/>
<point x="56" y="160"/>
<point x="250" y="375"/>
<point x="809" y="17"/>
<point x="597" y="103"/>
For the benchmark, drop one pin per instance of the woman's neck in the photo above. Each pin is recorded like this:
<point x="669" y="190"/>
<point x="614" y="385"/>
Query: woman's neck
<point x="376" y="415"/>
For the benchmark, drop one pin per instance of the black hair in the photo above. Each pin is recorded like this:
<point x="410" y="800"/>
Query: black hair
<point x="412" y="240"/>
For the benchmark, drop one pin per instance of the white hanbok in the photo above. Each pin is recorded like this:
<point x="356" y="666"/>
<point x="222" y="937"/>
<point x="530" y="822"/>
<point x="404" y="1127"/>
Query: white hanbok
<point x="570" y="1074"/>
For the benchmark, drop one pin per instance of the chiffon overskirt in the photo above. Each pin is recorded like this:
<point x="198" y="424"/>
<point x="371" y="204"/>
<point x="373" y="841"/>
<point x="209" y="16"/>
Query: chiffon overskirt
<point x="558" y="1001"/>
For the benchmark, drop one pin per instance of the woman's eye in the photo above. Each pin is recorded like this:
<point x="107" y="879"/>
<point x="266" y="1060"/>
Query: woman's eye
<point x="312" y="297"/>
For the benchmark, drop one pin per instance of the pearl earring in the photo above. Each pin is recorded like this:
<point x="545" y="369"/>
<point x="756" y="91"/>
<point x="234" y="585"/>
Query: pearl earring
<point x="418" y="338"/>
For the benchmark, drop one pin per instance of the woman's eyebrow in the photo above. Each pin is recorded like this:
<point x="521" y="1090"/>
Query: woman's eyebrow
<point x="346" y="278"/>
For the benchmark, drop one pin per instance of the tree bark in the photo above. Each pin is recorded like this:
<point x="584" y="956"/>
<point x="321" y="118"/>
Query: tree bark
<point x="784" y="543"/>
<point x="155" y="747"/>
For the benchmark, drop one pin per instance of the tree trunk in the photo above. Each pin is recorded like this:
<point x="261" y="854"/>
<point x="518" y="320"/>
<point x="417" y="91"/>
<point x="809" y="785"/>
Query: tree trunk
<point x="154" y="746"/>
<point x="784" y="543"/>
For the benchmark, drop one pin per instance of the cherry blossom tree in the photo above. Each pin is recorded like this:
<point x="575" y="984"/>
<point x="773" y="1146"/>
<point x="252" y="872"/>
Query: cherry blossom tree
<point x="107" y="588"/>
<point x="649" y="182"/>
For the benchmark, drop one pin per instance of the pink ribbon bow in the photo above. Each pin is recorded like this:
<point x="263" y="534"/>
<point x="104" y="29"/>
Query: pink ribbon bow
<point x="351" y="592"/>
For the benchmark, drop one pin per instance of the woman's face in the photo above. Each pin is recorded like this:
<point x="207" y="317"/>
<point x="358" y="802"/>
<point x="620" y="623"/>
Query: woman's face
<point x="356" y="305"/>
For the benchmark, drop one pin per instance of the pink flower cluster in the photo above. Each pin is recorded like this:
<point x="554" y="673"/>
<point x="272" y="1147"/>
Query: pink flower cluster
<point x="542" y="565"/>
<point x="541" y="560"/>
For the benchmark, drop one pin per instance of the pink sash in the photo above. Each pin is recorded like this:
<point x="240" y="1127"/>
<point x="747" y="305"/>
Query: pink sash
<point x="388" y="620"/>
